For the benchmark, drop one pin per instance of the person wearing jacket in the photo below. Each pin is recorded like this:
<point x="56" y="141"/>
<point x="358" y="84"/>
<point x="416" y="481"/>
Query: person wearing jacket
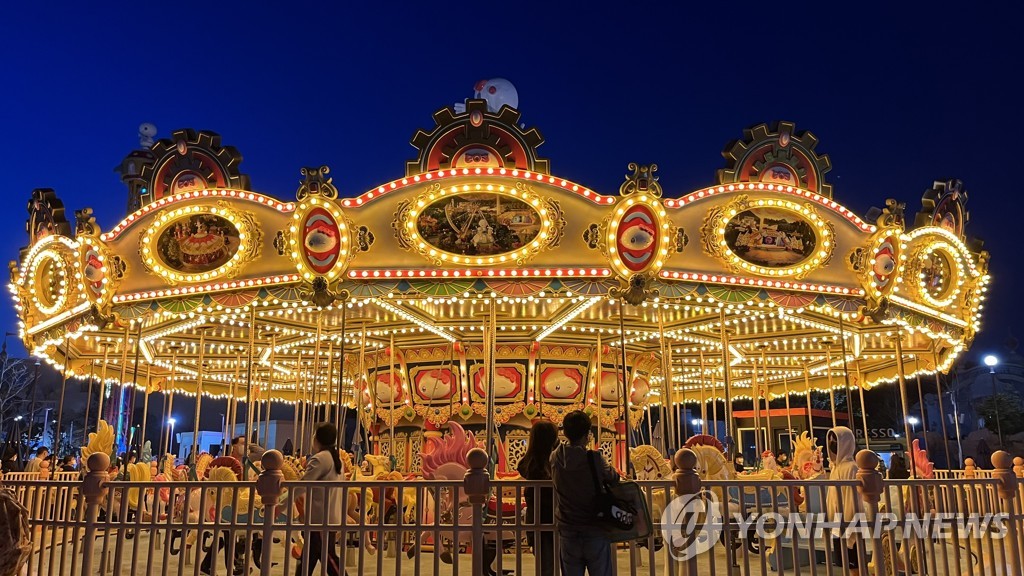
<point x="841" y="502"/>
<point x="322" y="505"/>
<point x="583" y="541"/>
<point x="536" y="465"/>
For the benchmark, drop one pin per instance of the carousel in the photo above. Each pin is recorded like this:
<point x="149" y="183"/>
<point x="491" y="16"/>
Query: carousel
<point x="481" y="288"/>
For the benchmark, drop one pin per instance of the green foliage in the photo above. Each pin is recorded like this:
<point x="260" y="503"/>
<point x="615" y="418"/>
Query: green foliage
<point x="1011" y="416"/>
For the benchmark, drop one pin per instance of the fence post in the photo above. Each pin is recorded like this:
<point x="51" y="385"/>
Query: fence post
<point x="1002" y="464"/>
<point x="871" y="487"/>
<point x="477" y="484"/>
<point x="970" y="469"/>
<point x="269" y="487"/>
<point x="1018" y="467"/>
<point x="93" y="490"/>
<point x="687" y="483"/>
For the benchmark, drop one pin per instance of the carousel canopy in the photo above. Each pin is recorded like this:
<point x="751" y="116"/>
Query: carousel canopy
<point x="481" y="274"/>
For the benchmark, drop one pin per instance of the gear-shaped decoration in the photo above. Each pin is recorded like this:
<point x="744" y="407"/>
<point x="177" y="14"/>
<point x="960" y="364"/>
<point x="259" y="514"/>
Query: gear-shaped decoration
<point x="45" y="217"/>
<point x="638" y="237"/>
<point x="777" y="154"/>
<point x="192" y="161"/>
<point x="945" y="206"/>
<point x="477" y="138"/>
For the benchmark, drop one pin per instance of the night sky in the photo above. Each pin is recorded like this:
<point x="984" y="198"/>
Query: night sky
<point x="896" y="99"/>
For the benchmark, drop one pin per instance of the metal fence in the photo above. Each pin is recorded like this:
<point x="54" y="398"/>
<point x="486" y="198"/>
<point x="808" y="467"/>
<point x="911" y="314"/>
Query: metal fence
<point x="94" y="526"/>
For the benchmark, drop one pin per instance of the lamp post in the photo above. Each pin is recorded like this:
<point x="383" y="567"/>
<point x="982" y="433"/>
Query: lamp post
<point x="991" y="361"/>
<point x="698" y="425"/>
<point x="170" y="436"/>
<point x="913" y="421"/>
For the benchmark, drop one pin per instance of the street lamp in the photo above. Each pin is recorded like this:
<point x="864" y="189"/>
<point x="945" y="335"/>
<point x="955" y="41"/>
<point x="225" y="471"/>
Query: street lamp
<point x="992" y="361"/>
<point x="170" y="437"/>
<point x="698" y="424"/>
<point x="913" y="421"/>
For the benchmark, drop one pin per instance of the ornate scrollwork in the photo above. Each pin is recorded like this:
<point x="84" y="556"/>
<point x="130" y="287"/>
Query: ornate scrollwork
<point x="637" y="289"/>
<point x="892" y="214"/>
<point x="281" y="243"/>
<point x="594" y="236"/>
<point x="642" y="180"/>
<point x="316" y="184"/>
<point x="319" y="293"/>
<point x="85" y="223"/>
<point x="679" y="240"/>
<point x="364" y="238"/>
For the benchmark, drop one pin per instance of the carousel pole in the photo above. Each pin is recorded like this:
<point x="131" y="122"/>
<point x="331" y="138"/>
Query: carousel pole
<point x="391" y="424"/>
<point x="863" y="411"/>
<point x="682" y="402"/>
<point x="492" y="345"/>
<point x="295" y="422"/>
<point x="145" y="406"/>
<point x="828" y="373"/>
<point x="359" y="397"/>
<point x="248" y="389"/>
<point x="339" y="423"/>
<point x="900" y="374"/>
<point x="595" y="395"/>
<point x="103" y="383"/>
<point x="116" y="414"/>
<point x="703" y="399"/>
<point x="325" y="397"/>
<point x="232" y="407"/>
<point x="199" y="396"/>
<point x="309" y="415"/>
<point x="270" y="388"/>
<point x="920" y="401"/>
<point x="726" y="385"/>
<point x="714" y="401"/>
<point x="88" y="402"/>
<point x="807" y="390"/>
<point x="942" y="410"/>
<point x="135" y="384"/>
<point x="789" y="414"/>
<point x="764" y="391"/>
<point x="757" y="409"/>
<point x="170" y="398"/>
<point x="63" y="389"/>
<point x="846" y="373"/>
<point x="667" y="427"/>
<point x="625" y="386"/>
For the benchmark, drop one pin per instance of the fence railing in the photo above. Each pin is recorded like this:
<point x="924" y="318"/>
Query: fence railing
<point x="476" y="526"/>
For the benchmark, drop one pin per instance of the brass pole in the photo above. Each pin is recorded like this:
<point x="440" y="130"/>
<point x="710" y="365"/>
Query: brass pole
<point x="296" y="444"/>
<point x="103" y="382"/>
<point x="393" y="391"/>
<point x="63" y="389"/>
<point x="789" y="415"/>
<point x="764" y="392"/>
<point x="145" y="406"/>
<point x="863" y="411"/>
<point x="116" y="414"/>
<point x="338" y="422"/>
<point x="667" y="422"/>
<point x="233" y="402"/>
<point x="846" y="373"/>
<point x="362" y="382"/>
<point x="170" y="398"/>
<point x="828" y="373"/>
<point x="199" y="395"/>
<point x="903" y="395"/>
<point x="625" y="386"/>
<point x="807" y="388"/>
<point x="714" y="400"/>
<point x="88" y="401"/>
<point x="270" y="391"/>
<point x="703" y="399"/>
<point x="726" y="378"/>
<point x="942" y="410"/>
<point x="248" y="390"/>
<point x="135" y="385"/>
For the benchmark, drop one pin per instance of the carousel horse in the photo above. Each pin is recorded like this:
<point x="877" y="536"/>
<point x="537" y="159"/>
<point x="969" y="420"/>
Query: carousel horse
<point x="445" y="459"/>
<point x="808" y="463"/>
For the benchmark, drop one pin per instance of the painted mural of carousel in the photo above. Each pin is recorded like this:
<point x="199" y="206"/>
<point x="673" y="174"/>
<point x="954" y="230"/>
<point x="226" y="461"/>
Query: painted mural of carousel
<point x="482" y="288"/>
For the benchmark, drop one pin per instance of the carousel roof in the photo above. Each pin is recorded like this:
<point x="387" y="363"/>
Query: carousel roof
<point x="207" y="285"/>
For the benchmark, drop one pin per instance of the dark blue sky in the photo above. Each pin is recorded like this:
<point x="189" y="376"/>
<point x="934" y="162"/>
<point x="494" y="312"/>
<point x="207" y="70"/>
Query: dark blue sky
<point x="897" y="99"/>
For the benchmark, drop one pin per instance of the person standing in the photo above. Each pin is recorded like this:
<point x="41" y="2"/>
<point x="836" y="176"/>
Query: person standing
<point x="841" y="502"/>
<point x="36" y="464"/>
<point x="536" y="465"/>
<point x="322" y="505"/>
<point x="583" y="543"/>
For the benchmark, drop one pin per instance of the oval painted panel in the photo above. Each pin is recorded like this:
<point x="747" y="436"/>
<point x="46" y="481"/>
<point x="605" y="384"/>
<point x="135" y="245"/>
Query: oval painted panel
<point x="640" y="392"/>
<point x="388" y="388"/>
<point x="197" y="243"/>
<point x="770" y="237"/>
<point x="94" y="272"/>
<point x="611" y="386"/>
<point x="508" y="381"/>
<point x="321" y="240"/>
<point x="936" y="274"/>
<point x="638" y="238"/>
<point x="561" y="383"/>
<point x="434" y="384"/>
<point x="478" y="224"/>
<point x="885" y="263"/>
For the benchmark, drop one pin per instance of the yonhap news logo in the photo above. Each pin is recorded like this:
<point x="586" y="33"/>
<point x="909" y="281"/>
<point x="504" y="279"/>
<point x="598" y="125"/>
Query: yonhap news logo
<point x="692" y="524"/>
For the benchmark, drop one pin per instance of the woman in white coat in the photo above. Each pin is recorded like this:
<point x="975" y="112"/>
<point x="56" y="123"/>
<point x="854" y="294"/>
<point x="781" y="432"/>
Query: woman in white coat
<point x="322" y="504"/>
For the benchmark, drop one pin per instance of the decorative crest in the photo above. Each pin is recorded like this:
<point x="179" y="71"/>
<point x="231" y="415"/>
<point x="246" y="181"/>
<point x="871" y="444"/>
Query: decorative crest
<point x="320" y="293"/>
<point x="85" y="223"/>
<point x="637" y="289"/>
<point x="642" y="180"/>
<point x="777" y="154"/>
<point x="316" y="184"/>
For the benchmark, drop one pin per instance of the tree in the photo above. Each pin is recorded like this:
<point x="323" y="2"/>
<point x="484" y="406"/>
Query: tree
<point x="1011" y="417"/>
<point x="16" y="378"/>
